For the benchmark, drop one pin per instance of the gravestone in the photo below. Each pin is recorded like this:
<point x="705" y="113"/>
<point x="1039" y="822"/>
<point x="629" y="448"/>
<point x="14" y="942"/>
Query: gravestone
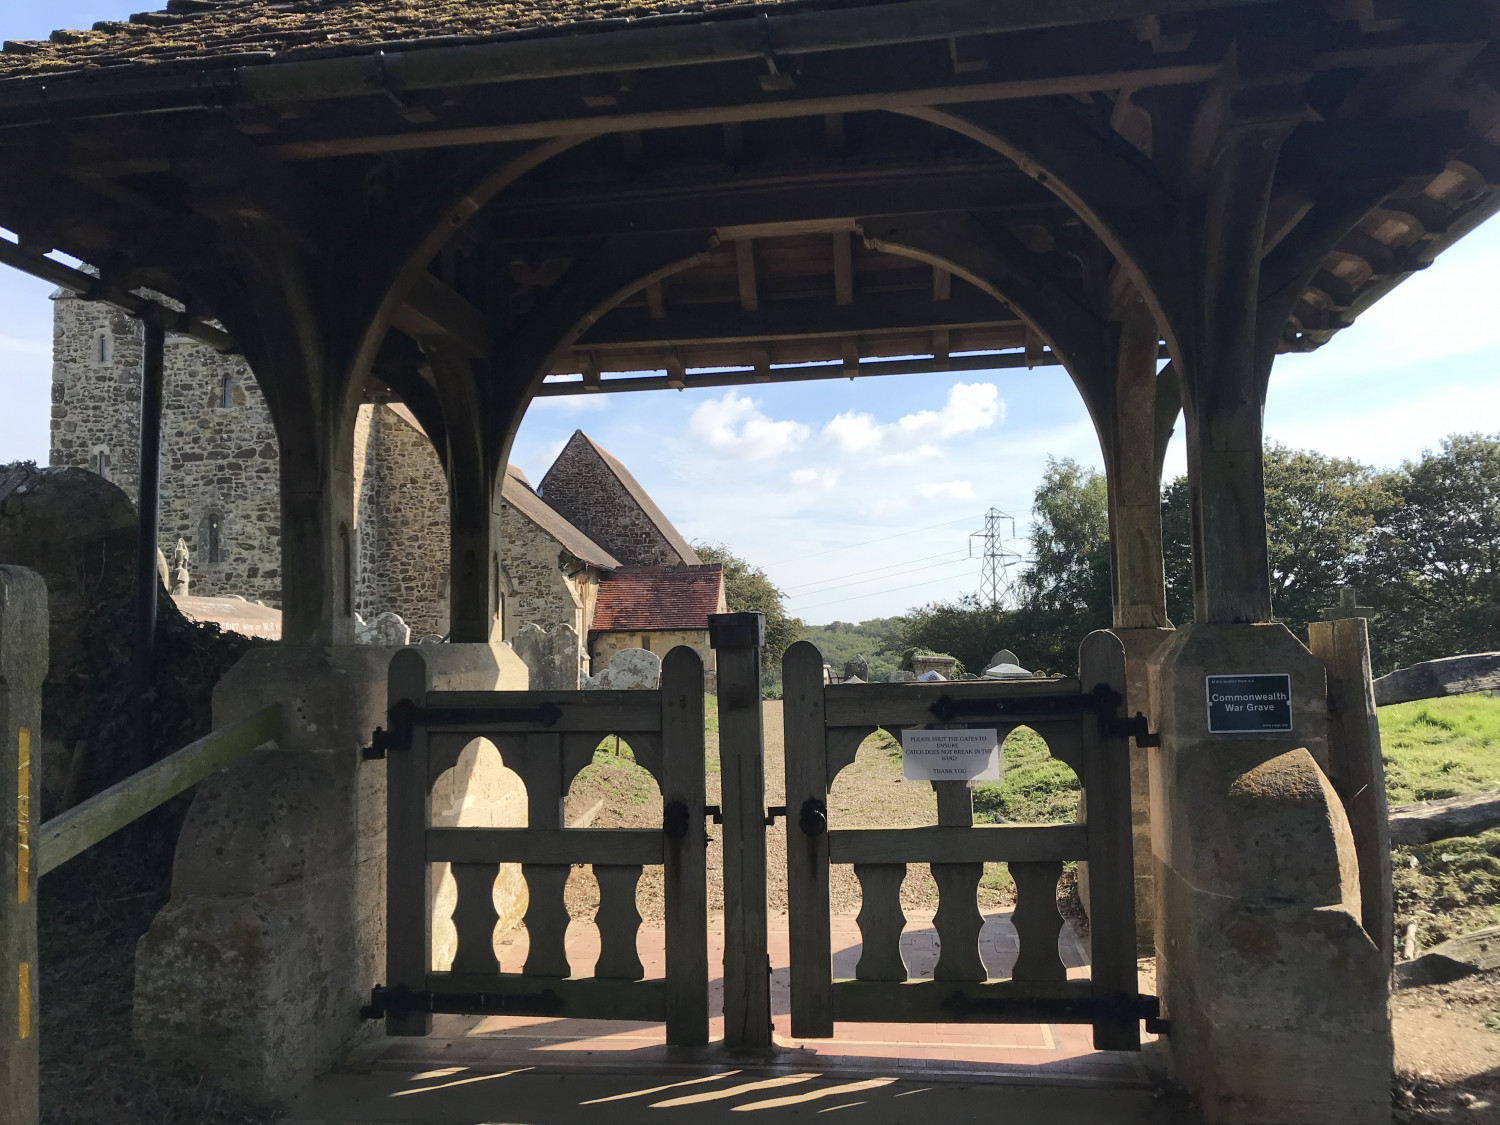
<point x="901" y="676"/>
<point x="1348" y="607"/>
<point x="181" y="580"/>
<point x="857" y="669"/>
<point x="631" y="669"/>
<point x="552" y="656"/>
<point x="931" y="662"/>
<point x="1004" y="656"/>
<point x="387" y="629"/>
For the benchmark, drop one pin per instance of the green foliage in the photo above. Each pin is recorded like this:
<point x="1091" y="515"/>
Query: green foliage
<point x="841" y="641"/>
<point x="747" y="589"/>
<point x="1320" y="516"/>
<point x="965" y="628"/>
<point x="1433" y="567"/>
<point x="1436" y="748"/>
<point x="1034" y="787"/>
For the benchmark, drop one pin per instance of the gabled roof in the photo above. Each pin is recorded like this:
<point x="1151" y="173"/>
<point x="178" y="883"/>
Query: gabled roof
<point x="237" y="32"/>
<point x="654" y="598"/>
<point x="515" y="491"/>
<point x="633" y="487"/>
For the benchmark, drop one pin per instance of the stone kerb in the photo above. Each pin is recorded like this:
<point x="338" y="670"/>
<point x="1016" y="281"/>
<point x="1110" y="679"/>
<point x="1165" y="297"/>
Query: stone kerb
<point x="1275" y="994"/>
<point x="256" y="968"/>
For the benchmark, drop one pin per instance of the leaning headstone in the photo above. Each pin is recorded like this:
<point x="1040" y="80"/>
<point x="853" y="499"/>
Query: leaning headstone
<point x="857" y="669"/>
<point x="385" y="629"/>
<point x="552" y="656"/>
<point x="630" y="669"/>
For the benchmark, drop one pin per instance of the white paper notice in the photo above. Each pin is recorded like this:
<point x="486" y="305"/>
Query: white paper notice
<point x="950" y="755"/>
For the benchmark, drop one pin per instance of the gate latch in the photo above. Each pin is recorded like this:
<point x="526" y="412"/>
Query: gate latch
<point x="380" y="742"/>
<point x="714" y="812"/>
<point x="773" y="812"/>
<point x="813" y="819"/>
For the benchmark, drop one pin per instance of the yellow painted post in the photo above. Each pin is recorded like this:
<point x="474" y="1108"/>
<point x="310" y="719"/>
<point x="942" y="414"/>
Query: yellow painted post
<point x="23" y="663"/>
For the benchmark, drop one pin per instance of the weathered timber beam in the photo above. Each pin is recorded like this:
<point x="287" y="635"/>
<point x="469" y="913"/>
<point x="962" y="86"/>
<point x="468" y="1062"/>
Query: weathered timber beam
<point x="642" y="45"/>
<point x="1427" y="821"/>
<point x="801" y="374"/>
<point x="431" y="309"/>
<point x="744" y="259"/>
<point x="1453" y="675"/>
<point x="632" y="326"/>
<point x="84" y="825"/>
<point x="90" y="287"/>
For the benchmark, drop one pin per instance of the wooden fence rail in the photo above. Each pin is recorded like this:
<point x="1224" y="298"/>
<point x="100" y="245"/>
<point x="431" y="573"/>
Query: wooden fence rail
<point x="84" y="825"/>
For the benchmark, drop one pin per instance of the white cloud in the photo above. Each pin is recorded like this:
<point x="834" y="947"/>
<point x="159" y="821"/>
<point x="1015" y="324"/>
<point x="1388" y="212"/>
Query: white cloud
<point x="734" y="426"/>
<point x="970" y="407"/>
<point x="948" y="490"/>
<point x="814" y="479"/>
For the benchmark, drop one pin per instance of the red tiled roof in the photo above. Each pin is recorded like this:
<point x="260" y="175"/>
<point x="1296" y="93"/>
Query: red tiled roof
<point x="648" y="598"/>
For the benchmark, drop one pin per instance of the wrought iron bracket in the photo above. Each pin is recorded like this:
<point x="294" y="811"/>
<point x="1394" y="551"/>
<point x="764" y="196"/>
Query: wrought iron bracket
<point x="401" y="1001"/>
<point x="1038" y="1009"/>
<point x="405" y="716"/>
<point x="714" y="813"/>
<point x="1104" y="701"/>
<point x="773" y="813"/>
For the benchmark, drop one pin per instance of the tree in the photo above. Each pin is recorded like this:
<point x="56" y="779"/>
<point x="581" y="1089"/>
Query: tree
<point x="1320" y="516"/>
<point x="747" y="589"/>
<point x="1433" y="566"/>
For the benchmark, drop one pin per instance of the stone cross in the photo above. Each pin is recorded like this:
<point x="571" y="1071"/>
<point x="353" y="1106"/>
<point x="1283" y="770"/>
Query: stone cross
<point x="1346" y="607"/>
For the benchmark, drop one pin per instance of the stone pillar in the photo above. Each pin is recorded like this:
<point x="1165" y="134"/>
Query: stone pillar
<point x="255" y="970"/>
<point x="1274" y="992"/>
<point x="23" y="665"/>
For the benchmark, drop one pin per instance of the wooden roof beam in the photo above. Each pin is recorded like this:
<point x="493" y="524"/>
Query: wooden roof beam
<point x="432" y="310"/>
<point x="744" y="259"/>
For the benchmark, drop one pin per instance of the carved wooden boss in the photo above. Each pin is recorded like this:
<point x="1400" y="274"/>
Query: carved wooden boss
<point x="464" y="211"/>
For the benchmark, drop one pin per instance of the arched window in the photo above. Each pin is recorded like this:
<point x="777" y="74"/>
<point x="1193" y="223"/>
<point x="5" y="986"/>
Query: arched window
<point x="102" y="350"/>
<point x="101" y="462"/>
<point x="215" y="537"/>
<point x="226" y="393"/>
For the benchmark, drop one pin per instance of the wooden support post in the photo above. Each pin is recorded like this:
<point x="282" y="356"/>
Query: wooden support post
<point x="744" y="258"/>
<point x="684" y="871"/>
<point x="1140" y="592"/>
<point x="1356" y="768"/>
<point x="806" y="760"/>
<point x="23" y="664"/>
<point x="148" y="509"/>
<point x="737" y="639"/>
<point x="408" y="948"/>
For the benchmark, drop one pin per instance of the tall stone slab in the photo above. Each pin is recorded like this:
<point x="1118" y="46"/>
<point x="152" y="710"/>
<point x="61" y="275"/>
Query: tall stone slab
<point x="23" y="665"/>
<point x="1275" y="994"/>
<point x="255" y="970"/>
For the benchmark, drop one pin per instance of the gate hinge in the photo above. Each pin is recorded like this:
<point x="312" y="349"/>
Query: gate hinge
<point x="380" y="742"/>
<point x="714" y="812"/>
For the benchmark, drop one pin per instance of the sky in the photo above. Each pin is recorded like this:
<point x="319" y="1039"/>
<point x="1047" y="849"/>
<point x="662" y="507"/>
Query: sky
<point x="859" y="497"/>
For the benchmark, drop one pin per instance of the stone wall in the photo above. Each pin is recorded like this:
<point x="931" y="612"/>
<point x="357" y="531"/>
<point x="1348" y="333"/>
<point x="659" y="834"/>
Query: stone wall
<point x="220" y="475"/>
<point x="603" y="646"/>
<point x="590" y="495"/>
<point x="540" y="582"/>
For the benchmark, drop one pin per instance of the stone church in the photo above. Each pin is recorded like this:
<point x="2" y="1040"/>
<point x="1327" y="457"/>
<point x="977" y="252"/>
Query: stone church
<point x="586" y="547"/>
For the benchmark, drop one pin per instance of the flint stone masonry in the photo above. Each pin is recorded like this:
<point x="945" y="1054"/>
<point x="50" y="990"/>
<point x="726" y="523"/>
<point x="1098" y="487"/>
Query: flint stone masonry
<point x="596" y="494"/>
<point x="541" y="583"/>
<point x="255" y="969"/>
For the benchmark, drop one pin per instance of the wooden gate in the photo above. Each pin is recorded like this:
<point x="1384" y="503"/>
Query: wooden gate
<point x="1080" y="721"/>
<point x="546" y="737"/>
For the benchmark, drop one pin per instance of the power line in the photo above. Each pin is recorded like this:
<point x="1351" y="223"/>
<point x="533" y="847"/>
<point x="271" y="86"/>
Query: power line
<point x="867" y="542"/>
<point x="877" y="593"/>
<point x="872" y="570"/>
<point x="880" y="578"/>
<point x="994" y="579"/>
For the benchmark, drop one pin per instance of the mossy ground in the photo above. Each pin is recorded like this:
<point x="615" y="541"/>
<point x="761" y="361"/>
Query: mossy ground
<point x="1432" y="749"/>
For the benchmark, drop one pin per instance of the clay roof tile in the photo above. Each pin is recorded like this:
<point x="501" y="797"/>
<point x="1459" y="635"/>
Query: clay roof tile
<point x="654" y="598"/>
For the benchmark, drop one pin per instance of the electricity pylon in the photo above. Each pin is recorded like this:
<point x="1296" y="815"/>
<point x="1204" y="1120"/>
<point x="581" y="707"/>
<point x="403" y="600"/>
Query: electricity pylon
<point x="994" y="578"/>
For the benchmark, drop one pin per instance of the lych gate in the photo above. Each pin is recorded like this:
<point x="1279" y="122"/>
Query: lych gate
<point x="723" y="195"/>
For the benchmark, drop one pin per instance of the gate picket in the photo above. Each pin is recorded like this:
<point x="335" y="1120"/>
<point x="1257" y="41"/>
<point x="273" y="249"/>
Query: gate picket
<point x="546" y="738"/>
<point x="1076" y="717"/>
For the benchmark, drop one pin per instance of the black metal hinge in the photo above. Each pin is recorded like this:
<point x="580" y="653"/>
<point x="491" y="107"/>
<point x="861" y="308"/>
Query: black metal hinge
<point x="401" y="1001"/>
<point x="405" y="715"/>
<point x="1104" y="701"/>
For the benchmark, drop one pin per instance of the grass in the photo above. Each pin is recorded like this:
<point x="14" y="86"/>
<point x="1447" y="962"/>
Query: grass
<point x="1432" y="749"/>
<point x="1034" y="787"/>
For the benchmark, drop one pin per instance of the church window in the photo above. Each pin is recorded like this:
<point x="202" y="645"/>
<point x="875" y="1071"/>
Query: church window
<point x="215" y="538"/>
<point x="226" y="393"/>
<point x="101" y="463"/>
<point x="646" y="641"/>
<point x="103" y="348"/>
